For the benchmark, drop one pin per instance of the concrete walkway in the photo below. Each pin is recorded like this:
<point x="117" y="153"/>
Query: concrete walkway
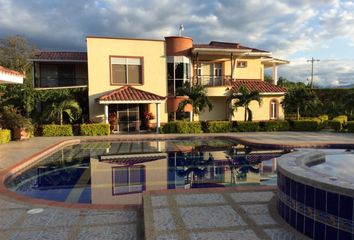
<point x="17" y="222"/>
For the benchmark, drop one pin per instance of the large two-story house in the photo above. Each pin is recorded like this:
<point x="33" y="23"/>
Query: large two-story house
<point x="130" y="77"/>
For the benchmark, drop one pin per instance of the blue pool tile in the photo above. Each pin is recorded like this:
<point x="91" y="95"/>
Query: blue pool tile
<point x="344" y="235"/>
<point x="292" y="218"/>
<point x="320" y="202"/>
<point x="332" y="203"/>
<point x="310" y="196"/>
<point x="300" y="192"/>
<point x="331" y="233"/>
<point x="319" y="231"/>
<point x="309" y="224"/>
<point x="300" y="222"/>
<point x="346" y="207"/>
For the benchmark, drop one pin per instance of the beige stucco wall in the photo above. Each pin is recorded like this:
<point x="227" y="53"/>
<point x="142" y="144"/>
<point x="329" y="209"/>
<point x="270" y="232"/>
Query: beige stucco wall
<point x="254" y="69"/>
<point x="99" y="51"/>
<point x="261" y="112"/>
<point x="219" y="111"/>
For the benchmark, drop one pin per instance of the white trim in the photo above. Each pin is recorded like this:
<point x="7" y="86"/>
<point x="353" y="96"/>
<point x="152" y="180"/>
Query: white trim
<point x="272" y="93"/>
<point x="130" y="102"/>
<point x="195" y="50"/>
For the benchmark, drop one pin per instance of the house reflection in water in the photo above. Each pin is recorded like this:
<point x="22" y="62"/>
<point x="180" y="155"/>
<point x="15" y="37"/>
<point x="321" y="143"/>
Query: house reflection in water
<point x="119" y="172"/>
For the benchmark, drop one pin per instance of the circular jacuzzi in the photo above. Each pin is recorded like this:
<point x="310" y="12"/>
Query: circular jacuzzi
<point x="316" y="191"/>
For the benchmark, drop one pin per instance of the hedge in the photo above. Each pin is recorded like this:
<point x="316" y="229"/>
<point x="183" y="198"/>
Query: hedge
<point x="5" y="136"/>
<point x="336" y="125"/>
<point x="350" y="126"/>
<point x="306" y="125"/>
<point x="182" y="127"/>
<point x="247" y="127"/>
<point x="277" y="125"/>
<point x="53" y="130"/>
<point x="219" y="126"/>
<point x="95" y="129"/>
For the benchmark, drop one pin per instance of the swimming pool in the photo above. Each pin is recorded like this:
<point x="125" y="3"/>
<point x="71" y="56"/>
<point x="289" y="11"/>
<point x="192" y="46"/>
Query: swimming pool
<point x="118" y="172"/>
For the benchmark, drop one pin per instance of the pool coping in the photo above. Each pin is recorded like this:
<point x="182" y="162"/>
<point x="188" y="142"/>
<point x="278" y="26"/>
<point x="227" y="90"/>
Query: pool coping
<point x="6" y="173"/>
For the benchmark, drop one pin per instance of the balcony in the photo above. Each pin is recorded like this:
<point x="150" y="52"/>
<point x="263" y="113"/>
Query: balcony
<point x="56" y="82"/>
<point x="212" y="80"/>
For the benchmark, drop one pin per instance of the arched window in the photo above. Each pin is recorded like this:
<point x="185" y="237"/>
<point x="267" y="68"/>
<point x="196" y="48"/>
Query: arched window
<point x="274" y="109"/>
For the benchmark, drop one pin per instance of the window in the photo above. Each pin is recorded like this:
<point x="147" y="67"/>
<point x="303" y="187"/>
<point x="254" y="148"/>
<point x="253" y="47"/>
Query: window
<point x="178" y="72"/>
<point x="273" y="109"/>
<point x="126" y="70"/>
<point x="242" y="64"/>
<point x="128" y="179"/>
<point x="217" y="69"/>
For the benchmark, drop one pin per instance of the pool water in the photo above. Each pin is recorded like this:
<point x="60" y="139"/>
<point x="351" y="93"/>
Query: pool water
<point x="118" y="172"/>
<point x="337" y="163"/>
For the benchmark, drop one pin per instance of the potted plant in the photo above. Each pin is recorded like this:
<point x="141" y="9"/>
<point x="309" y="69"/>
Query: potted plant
<point x="113" y="121"/>
<point x="148" y="116"/>
<point x="21" y="126"/>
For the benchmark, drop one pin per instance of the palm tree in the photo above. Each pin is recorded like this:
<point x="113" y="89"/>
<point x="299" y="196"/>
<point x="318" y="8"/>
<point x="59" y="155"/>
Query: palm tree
<point x="70" y="108"/>
<point x="243" y="98"/>
<point x="196" y="97"/>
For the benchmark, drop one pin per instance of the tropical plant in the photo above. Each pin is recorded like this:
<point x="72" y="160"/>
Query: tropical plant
<point x="197" y="97"/>
<point x="56" y="111"/>
<point x="242" y="98"/>
<point x="349" y="102"/>
<point x="299" y="100"/>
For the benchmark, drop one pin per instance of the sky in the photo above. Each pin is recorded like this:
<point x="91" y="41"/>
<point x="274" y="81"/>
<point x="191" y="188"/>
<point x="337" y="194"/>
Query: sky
<point x="295" y="30"/>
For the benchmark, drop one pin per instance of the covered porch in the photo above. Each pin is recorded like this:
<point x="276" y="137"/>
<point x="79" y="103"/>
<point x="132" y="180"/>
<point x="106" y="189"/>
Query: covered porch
<point x="128" y="109"/>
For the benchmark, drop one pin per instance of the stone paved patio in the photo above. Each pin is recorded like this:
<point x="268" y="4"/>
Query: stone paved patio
<point x="225" y="215"/>
<point x="222" y="215"/>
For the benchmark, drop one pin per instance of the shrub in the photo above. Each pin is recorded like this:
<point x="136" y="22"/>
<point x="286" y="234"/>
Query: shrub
<point x="306" y="125"/>
<point x="98" y="129"/>
<point x="247" y="127"/>
<point x="182" y="127"/>
<point x="290" y="116"/>
<point x="5" y="136"/>
<point x="342" y="118"/>
<point x="11" y="119"/>
<point x="53" y="130"/>
<point x="336" y="125"/>
<point x="323" y="118"/>
<point x="277" y="125"/>
<point x="219" y="126"/>
<point x="350" y="126"/>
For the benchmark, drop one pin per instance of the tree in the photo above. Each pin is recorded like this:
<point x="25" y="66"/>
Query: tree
<point x="14" y="54"/>
<point x="70" y="108"/>
<point x="268" y="78"/>
<point x="290" y="85"/>
<point x="349" y="102"/>
<point x="242" y="98"/>
<point x="299" y="100"/>
<point x="197" y="97"/>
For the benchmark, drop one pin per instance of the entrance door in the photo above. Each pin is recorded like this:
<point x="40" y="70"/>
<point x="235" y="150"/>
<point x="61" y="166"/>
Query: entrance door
<point x="128" y="117"/>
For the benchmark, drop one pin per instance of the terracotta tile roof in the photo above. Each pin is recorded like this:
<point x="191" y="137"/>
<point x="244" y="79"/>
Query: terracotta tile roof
<point x="226" y="45"/>
<point x="5" y="70"/>
<point x="257" y="85"/>
<point x="128" y="93"/>
<point x="60" y="56"/>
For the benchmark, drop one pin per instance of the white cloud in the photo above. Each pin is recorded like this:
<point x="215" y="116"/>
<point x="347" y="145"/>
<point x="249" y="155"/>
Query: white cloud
<point x="286" y="27"/>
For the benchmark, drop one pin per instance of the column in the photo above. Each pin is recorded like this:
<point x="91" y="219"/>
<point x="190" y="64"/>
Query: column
<point x="275" y="74"/>
<point x="158" y="117"/>
<point x="106" y="113"/>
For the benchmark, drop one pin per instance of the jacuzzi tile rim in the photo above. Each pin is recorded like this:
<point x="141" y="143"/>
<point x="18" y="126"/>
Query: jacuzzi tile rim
<point x="23" y="164"/>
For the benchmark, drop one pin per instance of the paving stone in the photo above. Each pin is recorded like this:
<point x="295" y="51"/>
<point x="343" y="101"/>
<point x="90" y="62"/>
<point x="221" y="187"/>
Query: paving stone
<point x="262" y="219"/>
<point x="163" y="219"/>
<point x="159" y="201"/>
<point x="280" y="234"/>
<point x="255" y="209"/>
<point x="51" y="217"/>
<point x="225" y="235"/>
<point x="26" y="235"/>
<point x="4" y="204"/>
<point x="240" y="197"/>
<point x="210" y="217"/>
<point x="104" y="217"/>
<point x="54" y="234"/>
<point x="167" y="237"/>
<point x="8" y="218"/>
<point x="196" y="199"/>
<point x="117" y="232"/>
